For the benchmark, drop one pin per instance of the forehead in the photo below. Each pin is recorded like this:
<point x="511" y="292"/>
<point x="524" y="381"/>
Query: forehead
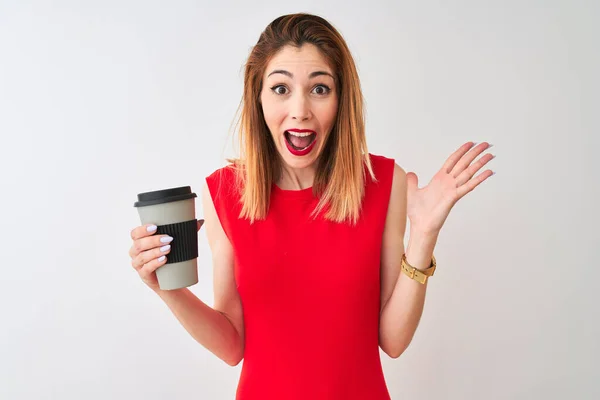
<point x="303" y="60"/>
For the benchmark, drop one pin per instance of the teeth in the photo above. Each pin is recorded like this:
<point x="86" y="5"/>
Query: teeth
<point x="298" y="134"/>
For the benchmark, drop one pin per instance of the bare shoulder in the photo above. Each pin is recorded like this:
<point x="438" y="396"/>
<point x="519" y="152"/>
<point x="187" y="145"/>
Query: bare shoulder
<point x="214" y="230"/>
<point x="399" y="180"/>
<point x="396" y="214"/>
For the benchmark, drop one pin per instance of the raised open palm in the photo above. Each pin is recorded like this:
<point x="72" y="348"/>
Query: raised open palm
<point x="428" y="207"/>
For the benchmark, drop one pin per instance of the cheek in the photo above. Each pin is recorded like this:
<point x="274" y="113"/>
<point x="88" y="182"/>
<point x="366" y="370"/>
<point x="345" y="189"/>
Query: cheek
<point x="271" y="111"/>
<point x="329" y="113"/>
<point x="273" y="120"/>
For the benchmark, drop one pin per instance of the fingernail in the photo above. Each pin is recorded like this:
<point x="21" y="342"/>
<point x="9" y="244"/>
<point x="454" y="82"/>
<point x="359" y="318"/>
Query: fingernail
<point x="151" y="228"/>
<point x="161" y="258"/>
<point x="166" y="239"/>
<point x="165" y="248"/>
<point x="490" y="145"/>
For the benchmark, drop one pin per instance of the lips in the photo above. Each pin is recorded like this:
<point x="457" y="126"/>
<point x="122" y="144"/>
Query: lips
<point x="300" y="141"/>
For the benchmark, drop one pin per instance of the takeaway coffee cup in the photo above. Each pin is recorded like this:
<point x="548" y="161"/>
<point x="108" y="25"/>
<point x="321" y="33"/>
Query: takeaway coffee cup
<point x="173" y="211"/>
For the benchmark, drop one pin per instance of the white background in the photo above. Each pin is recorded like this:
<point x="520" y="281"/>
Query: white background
<point x="101" y="100"/>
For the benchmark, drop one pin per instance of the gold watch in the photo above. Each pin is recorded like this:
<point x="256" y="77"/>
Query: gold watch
<point x="416" y="274"/>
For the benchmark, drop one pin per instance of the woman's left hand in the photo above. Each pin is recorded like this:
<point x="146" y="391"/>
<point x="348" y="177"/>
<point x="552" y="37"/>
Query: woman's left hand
<point x="428" y="207"/>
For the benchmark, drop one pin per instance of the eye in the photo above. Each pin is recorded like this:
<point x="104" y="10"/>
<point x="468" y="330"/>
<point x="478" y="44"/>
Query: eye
<point x="324" y="89"/>
<point x="277" y="89"/>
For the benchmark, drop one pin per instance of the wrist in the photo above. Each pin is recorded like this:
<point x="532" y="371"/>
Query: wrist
<point x="164" y="294"/>
<point x="423" y="237"/>
<point x="420" y="248"/>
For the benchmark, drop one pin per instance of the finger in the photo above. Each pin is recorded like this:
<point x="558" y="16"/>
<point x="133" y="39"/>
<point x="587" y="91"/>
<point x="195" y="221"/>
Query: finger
<point x="148" y="243"/>
<point x="200" y="223"/>
<point x="473" y="183"/>
<point x="464" y="162"/>
<point x="472" y="170"/>
<point x="149" y="255"/>
<point x="143" y="231"/>
<point x="147" y="269"/>
<point x="454" y="157"/>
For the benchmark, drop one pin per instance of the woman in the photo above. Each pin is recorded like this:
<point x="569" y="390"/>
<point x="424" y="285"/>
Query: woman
<point x="307" y="229"/>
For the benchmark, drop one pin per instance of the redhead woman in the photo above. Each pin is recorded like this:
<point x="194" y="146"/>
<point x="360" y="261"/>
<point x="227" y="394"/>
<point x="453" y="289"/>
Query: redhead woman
<point x="306" y="230"/>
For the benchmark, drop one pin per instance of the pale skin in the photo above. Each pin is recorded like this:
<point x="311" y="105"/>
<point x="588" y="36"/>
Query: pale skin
<point x="300" y="101"/>
<point x="427" y="208"/>
<point x="299" y="91"/>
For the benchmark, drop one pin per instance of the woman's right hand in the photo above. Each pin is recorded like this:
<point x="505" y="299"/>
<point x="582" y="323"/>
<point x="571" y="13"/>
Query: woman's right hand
<point x="149" y="252"/>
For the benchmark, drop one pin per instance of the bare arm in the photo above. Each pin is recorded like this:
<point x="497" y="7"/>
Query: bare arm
<point x="220" y="330"/>
<point x="402" y="299"/>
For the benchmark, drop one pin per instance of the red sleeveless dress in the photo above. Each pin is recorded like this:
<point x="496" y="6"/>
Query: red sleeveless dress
<point x="310" y="291"/>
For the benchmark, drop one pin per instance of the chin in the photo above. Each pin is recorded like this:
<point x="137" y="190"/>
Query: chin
<point x="299" y="164"/>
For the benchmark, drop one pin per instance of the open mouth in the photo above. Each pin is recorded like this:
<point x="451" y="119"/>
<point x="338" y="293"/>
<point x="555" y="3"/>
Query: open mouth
<point x="300" y="140"/>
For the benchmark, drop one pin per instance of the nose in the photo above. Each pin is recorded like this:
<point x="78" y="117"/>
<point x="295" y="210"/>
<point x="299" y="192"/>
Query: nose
<point x="300" y="108"/>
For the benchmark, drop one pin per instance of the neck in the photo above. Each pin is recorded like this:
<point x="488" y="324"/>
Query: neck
<point x="296" y="178"/>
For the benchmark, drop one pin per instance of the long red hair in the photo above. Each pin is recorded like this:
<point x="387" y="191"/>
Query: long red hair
<point x="340" y="174"/>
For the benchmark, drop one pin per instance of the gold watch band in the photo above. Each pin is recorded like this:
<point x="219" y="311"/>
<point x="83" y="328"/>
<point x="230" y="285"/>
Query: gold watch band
<point x="416" y="274"/>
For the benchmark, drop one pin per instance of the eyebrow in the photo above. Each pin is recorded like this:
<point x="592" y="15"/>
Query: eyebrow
<point x="312" y="74"/>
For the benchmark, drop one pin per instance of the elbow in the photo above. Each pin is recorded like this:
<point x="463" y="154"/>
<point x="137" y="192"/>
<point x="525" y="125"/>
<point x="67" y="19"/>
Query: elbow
<point x="236" y="358"/>
<point x="395" y="351"/>
<point x="396" y="354"/>
<point x="234" y="362"/>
